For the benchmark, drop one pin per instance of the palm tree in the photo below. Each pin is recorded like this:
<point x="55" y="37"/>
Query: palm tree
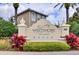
<point x="16" y="5"/>
<point x="67" y="6"/>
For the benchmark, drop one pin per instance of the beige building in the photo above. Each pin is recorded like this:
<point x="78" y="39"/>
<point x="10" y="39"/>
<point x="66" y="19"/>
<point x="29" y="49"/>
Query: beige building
<point x="30" y="16"/>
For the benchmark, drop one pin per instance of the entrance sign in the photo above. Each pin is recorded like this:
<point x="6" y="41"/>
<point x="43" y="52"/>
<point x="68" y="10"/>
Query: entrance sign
<point x="43" y="30"/>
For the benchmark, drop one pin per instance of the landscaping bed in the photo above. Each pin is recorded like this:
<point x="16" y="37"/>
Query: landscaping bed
<point x="5" y="44"/>
<point x="46" y="46"/>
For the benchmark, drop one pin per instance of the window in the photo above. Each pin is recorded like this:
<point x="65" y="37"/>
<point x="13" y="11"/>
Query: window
<point x="43" y="17"/>
<point x="33" y="16"/>
<point x="38" y="16"/>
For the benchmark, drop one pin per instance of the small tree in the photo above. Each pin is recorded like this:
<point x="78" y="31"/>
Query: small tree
<point x="74" y="22"/>
<point x="6" y="28"/>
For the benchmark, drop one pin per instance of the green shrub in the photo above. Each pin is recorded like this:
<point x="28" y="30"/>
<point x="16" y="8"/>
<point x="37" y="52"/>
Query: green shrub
<point x="74" y="27"/>
<point x="46" y="46"/>
<point x="6" y="28"/>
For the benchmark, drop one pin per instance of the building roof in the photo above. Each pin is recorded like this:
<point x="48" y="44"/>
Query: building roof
<point x="32" y="11"/>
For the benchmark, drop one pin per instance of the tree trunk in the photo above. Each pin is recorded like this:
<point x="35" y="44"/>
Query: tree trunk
<point x="15" y="16"/>
<point x="67" y="15"/>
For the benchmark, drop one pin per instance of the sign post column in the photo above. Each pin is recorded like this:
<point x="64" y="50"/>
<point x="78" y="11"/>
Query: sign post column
<point x="22" y="28"/>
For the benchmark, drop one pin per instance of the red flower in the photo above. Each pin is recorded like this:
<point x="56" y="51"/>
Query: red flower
<point x="17" y="41"/>
<point x="72" y="40"/>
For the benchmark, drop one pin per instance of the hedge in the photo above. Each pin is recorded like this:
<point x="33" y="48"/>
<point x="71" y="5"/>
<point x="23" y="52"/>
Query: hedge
<point x="46" y="46"/>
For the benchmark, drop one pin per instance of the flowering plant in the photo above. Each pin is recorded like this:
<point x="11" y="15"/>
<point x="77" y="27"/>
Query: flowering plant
<point x="73" y="40"/>
<point x="17" y="41"/>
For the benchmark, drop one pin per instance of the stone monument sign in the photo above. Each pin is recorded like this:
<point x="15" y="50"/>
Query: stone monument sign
<point x="42" y="30"/>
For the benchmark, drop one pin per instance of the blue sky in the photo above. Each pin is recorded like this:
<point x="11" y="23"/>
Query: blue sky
<point x="54" y="15"/>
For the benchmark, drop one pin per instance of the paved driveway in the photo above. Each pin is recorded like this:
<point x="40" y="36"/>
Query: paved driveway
<point x="39" y="53"/>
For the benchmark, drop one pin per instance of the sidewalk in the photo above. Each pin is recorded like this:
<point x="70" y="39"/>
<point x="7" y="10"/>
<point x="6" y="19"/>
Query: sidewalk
<point x="39" y="53"/>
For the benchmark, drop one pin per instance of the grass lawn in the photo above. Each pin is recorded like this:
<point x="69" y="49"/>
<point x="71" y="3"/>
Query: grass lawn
<point x="46" y="46"/>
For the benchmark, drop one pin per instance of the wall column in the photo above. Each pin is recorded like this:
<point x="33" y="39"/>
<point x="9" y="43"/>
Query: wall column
<point x="65" y="30"/>
<point x="22" y="28"/>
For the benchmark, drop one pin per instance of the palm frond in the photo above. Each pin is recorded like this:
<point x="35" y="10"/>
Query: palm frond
<point x="61" y="6"/>
<point x="74" y="4"/>
<point x="57" y="5"/>
<point x="51" y="4"/>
